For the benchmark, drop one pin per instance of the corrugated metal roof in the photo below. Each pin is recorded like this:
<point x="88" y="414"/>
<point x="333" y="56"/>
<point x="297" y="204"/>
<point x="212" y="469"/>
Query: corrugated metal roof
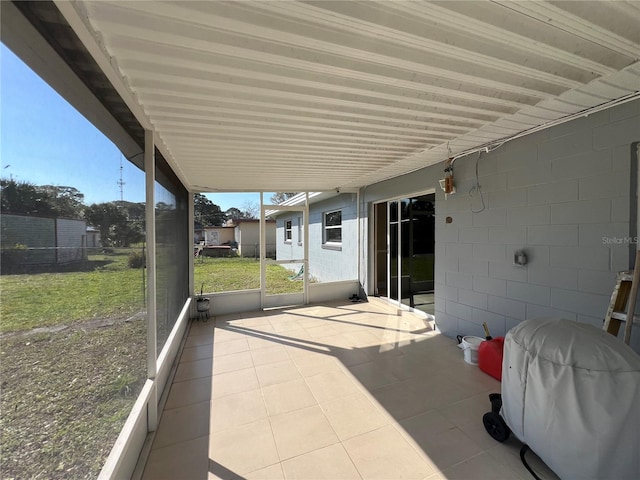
<point x="280" y="95"/>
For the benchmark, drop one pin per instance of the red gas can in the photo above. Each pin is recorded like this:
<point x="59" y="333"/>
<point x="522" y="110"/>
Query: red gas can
<point x="490" y="357"/>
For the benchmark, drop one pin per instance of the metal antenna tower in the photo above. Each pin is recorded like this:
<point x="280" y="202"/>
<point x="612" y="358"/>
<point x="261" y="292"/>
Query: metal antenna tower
<point x="121" y="182"/>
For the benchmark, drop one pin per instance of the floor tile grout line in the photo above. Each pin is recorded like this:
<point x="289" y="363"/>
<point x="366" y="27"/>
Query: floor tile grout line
<point x="339" y="442"/>
<point x="415" y="446"/>
<point x="184" y="362"/>
<point x="235" y="393"/>
<point x="181" y="441"/>
<point x="179" y="383"/>
<point x="356" y="436"/>
<point x="174" y="445"/>
<point x="267" y="466"/>
<point x="273" y="435"/>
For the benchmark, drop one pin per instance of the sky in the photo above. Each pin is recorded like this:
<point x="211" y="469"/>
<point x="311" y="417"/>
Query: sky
<point x="45" y="141"/>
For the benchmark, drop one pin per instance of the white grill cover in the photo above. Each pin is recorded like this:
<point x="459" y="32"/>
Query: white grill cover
<point x="572" y="393"/>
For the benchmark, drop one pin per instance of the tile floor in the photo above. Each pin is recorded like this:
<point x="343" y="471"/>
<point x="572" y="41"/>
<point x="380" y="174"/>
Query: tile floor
<point x="335" y="391"/>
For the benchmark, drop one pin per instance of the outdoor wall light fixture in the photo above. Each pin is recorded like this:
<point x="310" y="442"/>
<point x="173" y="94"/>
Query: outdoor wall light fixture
<point x="446" y="183"/>
<point x="519" y="258"/>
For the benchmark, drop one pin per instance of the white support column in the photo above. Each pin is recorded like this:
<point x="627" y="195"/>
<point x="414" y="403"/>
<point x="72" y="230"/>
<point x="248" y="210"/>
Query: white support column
<point x="399" y="249"/>
<point x="150" y="216"/>
<point x="263" y="250"/>
<point x="637" y="193"/>
<point x="388" y="255"/>
<point x="305" y="219"/>
<point x="191" y="215"/>
<point x="359" y="238"/>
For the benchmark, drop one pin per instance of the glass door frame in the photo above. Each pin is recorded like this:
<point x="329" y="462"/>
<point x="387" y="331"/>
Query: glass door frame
<point x="285" y="299"/>
<point x="398" y="287"/>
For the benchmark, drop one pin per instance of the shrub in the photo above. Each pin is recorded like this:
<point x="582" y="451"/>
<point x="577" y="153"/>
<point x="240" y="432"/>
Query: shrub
<point x="137" y="260"/>
<point x="13" y="258"/>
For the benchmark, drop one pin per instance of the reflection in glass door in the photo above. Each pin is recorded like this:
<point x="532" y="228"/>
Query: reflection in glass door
<point x="405" y="242"/>
<point x="419" y="253"/>
<point x="381" y="243"/>
<point x="393" y="250"/>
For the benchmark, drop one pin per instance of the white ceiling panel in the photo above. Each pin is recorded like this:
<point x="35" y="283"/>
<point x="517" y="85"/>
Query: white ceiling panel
<point x="292" y="96"/>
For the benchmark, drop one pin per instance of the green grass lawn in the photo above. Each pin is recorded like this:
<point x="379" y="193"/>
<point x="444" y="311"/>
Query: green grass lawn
<point x="229" y="274"/>
<point x="106" y="287"/>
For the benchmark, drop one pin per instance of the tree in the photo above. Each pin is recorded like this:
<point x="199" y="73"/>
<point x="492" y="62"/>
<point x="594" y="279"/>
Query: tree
<point x="250" y="209"/>
<point x="20" y="198"/>
<point x="135" y="211"/>
<point x="66" y="201"/>
<point x="234" y="213"/>
<point x="25" y="198"/>
<point x="279" y="197"/>
<point x="114" y="225"/>
<point x="127" y="233"/>
<point x="206" y="212"/>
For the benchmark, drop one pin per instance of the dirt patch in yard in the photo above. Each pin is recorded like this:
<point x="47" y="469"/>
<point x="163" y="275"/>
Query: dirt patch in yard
<point x="66" y="392"/>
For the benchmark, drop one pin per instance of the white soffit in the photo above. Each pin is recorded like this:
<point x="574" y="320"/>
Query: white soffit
<point x="311" y="96"/>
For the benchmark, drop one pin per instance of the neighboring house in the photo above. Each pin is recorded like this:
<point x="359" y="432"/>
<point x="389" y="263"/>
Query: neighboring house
<point x="93" y="237"/>
<point x="217" y="242"/>
<point x="247" y="236"/>
<point x="198" y="233"/>
<point x="43" y="241"/>
<point x="333" y="236"/>
<point x="242" y="236"/>
<point x="215" y="236"/>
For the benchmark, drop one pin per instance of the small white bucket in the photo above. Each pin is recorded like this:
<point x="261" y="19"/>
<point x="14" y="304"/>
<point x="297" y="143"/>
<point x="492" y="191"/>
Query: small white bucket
<point x="470" y="347"/>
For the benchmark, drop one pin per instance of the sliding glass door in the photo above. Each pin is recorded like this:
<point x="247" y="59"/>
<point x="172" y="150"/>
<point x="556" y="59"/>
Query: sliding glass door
<point x="405" y="261"/>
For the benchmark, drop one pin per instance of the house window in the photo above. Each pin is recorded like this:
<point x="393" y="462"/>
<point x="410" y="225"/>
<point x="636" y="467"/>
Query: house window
<point x="299" y="230"/>
<point x="288" y="232"/>
<point x="332" y="231"/>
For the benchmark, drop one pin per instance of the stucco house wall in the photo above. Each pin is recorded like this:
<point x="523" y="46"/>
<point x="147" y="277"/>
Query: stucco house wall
<point x="326" y="263"/>
<point x="247" y="235"/>
<point x="218" y="235"/>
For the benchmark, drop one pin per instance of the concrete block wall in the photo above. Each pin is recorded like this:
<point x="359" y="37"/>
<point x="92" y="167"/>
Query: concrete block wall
<point x="567" y="197"/>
